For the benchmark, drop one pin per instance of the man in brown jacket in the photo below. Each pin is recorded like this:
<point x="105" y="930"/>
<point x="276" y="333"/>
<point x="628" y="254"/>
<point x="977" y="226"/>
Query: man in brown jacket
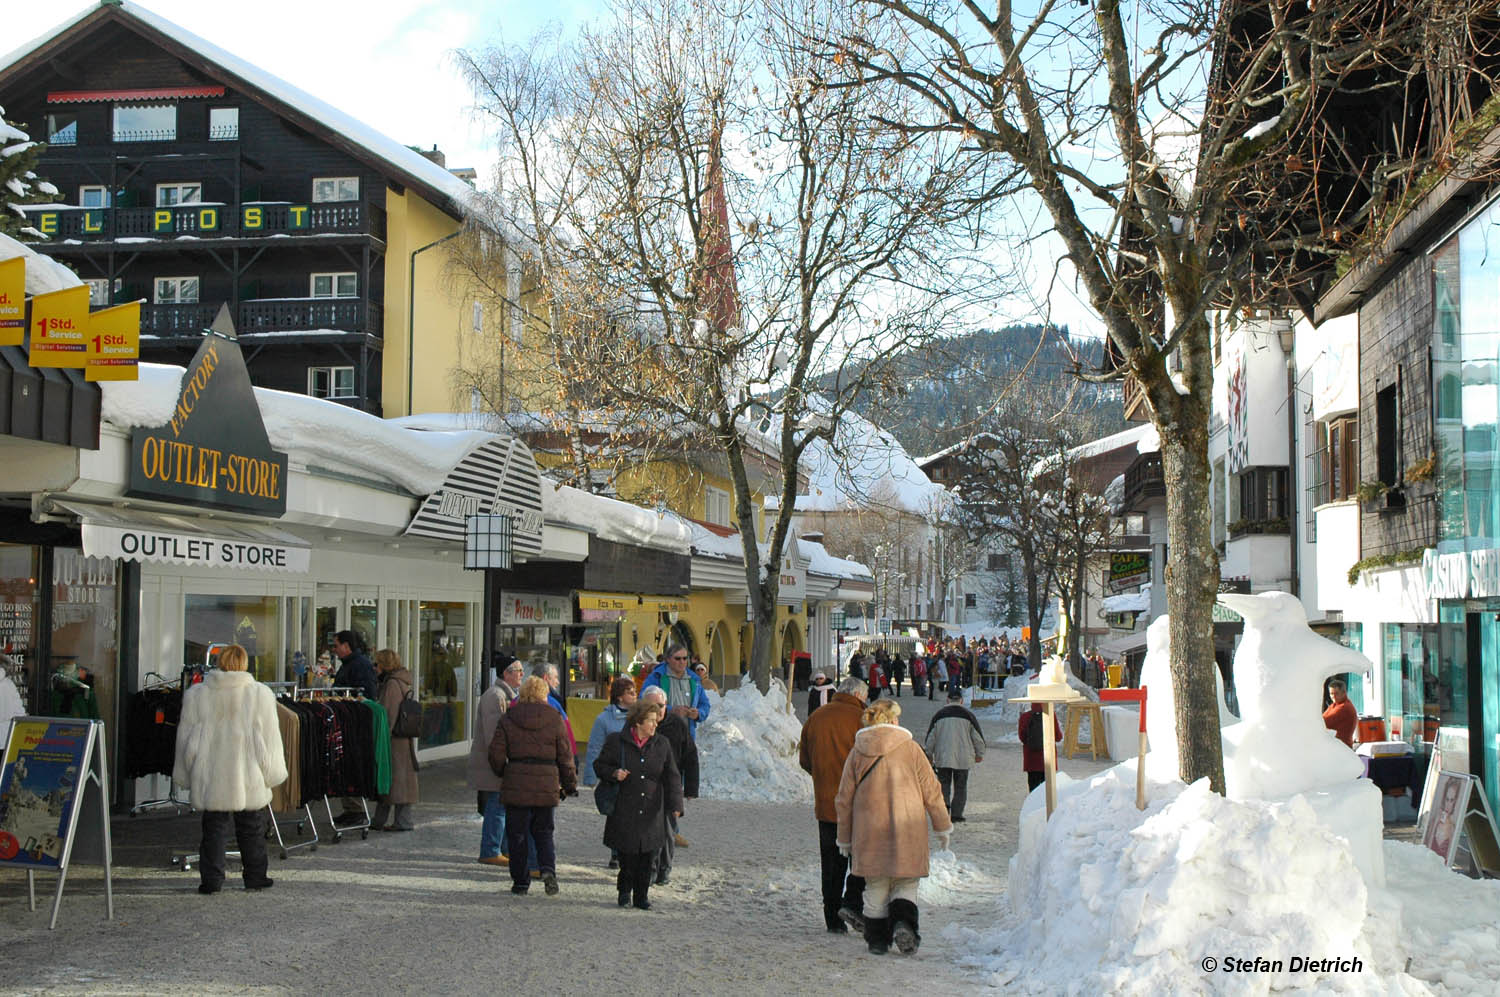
<point x="827" y="738"/>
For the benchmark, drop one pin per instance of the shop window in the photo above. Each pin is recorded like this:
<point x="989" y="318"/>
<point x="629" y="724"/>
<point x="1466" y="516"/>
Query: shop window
<point x="85" y="649"/>
<point x="334" y="285"/>
<point x="253" y="622"/>
<point x="98" y="291"/>
<point x="330" y="382"/>
<point x="223" y="124"/>
<point x="326" y="189"/>
<point x="145" y="123"/>
<point x="184" y="192"/>
<point x="1338" y="441"/>
<point x="176" y="291"/>
<point x="20" y="574"/>
<point x="93" y="196"/>
<point x="1387" y="435"/>
<point x="442" y="672"/>
<point x="62" y="129"/>
<point x="716" y="506"/>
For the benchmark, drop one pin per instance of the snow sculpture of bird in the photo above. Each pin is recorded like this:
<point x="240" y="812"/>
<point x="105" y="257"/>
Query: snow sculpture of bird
<point x="1280" y="747"/>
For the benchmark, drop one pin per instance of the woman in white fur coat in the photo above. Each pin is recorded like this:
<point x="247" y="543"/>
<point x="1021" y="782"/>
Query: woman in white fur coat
<point x="229" y="755"/>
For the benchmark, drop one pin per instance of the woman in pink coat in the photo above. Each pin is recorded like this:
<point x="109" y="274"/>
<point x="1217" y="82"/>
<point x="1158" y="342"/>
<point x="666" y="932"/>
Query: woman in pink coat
<point x="886" y="797"/>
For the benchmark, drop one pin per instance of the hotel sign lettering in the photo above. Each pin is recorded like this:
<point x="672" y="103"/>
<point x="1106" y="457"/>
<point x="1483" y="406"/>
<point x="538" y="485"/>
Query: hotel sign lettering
<point x="213" y="450"/>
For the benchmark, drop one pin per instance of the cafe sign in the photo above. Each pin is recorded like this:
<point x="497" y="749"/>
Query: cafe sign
<point x="533" y="609"/>
<point x="1471" y="574"/>
<point x="213" y="450"/>
<point x="1129" y="569"/>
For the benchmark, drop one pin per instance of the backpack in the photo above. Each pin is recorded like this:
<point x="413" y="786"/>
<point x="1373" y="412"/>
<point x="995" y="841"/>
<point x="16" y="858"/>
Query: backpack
<point x="1033" y="735"/>
<point x="408" y="719"/>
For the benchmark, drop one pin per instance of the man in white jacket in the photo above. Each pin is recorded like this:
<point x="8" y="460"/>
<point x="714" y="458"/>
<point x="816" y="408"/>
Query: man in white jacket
<point x="229" y="755"/>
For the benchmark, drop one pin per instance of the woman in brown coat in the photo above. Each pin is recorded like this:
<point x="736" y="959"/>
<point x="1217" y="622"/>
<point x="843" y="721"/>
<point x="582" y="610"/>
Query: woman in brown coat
<point x="886" y="796"/>
<point x="533" y="754"/>
<point x="395" y="684"/>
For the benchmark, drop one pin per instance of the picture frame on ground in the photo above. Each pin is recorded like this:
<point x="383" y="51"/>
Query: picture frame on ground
<point x="1450" y="795"/>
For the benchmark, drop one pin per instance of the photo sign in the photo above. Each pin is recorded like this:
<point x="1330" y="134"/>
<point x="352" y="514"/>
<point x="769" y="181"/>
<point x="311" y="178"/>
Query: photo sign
<point x="53" y="770"/>
<point x="213" y="451"/>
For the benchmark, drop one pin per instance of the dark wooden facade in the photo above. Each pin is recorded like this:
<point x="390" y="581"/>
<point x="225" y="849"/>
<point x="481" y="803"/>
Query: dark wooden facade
<point x="254" y="238"/>
<point x="1395" y="357"/>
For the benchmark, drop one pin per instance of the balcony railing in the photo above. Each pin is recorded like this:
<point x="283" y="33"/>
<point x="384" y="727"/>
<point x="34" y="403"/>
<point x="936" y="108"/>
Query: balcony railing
<point x="1144" y="480"/>
<point x="266" y="315"/>
<point x="250" y="219"/>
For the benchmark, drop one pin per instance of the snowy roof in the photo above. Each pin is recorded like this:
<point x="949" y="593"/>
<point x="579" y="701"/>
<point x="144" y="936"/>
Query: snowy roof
<point x="43" y="273"/>
<point x="824" y="563"/>
<point x="616" y="521"/>
<point x="310" y="430"/>
<point x="1132" y="437"/>
<point x="961" y="445"/>
<point x="708" y="543"/>
<point x="364" y="141"/>
<point x="867" y="467"/>
<point x="1130" y="602"/>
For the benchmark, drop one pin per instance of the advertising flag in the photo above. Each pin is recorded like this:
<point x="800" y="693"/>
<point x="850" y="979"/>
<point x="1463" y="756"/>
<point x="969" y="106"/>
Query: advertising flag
<point x="114" y="343"/>
<point x="60" y="328"/>
<point x="12" y="301"/>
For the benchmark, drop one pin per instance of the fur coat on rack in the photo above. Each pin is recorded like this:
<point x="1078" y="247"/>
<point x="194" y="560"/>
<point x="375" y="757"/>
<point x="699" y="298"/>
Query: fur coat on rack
<point x="229" y="751"/>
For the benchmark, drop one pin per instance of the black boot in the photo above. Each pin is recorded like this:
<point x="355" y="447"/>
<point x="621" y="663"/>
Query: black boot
<point x="832" y="921"/>
<point x="904" y="926"/>
<point x="878" y="935"/>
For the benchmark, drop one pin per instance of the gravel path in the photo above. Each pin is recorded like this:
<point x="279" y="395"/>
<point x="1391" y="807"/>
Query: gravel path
<point x="415" y="914"/>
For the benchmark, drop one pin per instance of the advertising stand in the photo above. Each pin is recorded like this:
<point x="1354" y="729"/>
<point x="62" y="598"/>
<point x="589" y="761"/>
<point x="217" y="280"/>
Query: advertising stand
<point x="50" y="763"/>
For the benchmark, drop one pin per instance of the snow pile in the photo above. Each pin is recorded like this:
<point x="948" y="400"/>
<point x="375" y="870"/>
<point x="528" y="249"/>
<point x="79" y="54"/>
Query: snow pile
<point x="1108" y="899"/>
<point x="951" y="880"/>
<point x="1451" y="922"/>
<point x="43" y="273"/>
<point x="747" y="749"/>
<point x="1138" y="601"/>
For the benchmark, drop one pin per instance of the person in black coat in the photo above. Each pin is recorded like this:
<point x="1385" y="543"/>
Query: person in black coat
<point x="642" y="763"/>
<point x="685" y="752"/>
<point x="357" y="671"/>
<point x="355" y="667"/>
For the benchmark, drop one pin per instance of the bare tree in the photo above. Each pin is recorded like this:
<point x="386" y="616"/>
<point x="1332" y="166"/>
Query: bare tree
<point x="737" y="252"/>
<point x="1187" y="156"/>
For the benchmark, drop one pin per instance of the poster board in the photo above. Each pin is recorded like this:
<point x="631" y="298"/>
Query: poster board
<point x="53" y="771"/>
<point x="1450" y="753"/>
<point x="1462" y="829"/>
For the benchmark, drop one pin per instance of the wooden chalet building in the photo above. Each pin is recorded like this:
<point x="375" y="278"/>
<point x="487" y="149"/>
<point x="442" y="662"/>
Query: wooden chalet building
<point x="190" y="178"/>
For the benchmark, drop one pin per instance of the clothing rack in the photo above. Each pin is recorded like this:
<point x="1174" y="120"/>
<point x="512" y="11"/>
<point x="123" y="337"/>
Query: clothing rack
<point x="170" y="799"/>
<point x="290" y="688"/>
<point x="351" y="692"/>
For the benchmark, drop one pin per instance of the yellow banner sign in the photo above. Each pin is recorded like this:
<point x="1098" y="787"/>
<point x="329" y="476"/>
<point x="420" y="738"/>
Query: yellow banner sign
<point x="621" y="603"/>
<point x="59" y="328"/>
<point x="114" y="343"/>
<point x="12" y="301"/>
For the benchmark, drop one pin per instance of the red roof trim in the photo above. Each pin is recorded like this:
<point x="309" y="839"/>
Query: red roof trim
<point x="723" y="531"/>
<point x="158" y="93"/>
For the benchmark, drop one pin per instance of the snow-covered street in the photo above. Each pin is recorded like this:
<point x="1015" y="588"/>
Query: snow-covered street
<point x="741" y="915"/>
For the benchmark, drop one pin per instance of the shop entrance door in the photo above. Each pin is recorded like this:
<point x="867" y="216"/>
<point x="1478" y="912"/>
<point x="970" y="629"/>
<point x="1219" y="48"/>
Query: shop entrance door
<point x="345" y="607"/>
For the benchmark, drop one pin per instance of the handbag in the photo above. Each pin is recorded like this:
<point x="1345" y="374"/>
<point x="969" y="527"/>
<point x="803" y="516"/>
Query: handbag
<point x="606" y="792"/>
<point x="408" y="719"/>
